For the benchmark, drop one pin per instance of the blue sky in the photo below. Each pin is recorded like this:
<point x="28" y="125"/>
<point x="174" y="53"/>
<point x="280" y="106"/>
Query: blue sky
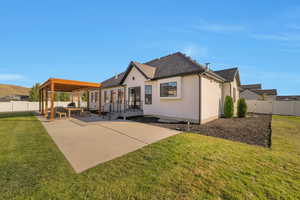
<point x="93" y="40"/>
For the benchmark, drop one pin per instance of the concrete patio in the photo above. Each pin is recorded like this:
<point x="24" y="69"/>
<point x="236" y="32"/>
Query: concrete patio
<point x="87" y="144"/>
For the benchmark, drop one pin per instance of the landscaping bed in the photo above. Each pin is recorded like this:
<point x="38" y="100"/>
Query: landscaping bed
<point x="254" y="129"/>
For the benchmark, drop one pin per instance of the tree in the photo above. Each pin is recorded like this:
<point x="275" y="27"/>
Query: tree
<point x="242" y="107"/>
<point x="228" y="107"/>
<point x="84" y="96"/>
<point x="62" y="96"/>
<point x="34" y="94"/>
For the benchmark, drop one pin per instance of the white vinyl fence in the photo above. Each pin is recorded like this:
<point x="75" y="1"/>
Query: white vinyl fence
<point x="17" y="106"/>
<point x="274" y="107"/>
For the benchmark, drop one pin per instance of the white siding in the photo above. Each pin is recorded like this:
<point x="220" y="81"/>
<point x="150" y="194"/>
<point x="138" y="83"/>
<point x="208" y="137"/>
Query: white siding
<point x="184" y="108"/>
<point x="211" y="99"/>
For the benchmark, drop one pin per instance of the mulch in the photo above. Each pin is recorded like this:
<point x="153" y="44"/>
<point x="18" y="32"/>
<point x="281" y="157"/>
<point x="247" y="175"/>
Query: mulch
<point x="254" y="129"/>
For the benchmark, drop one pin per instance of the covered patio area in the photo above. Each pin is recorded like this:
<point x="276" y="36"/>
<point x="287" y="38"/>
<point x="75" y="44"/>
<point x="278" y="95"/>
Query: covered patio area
<point x="53" y="85"/>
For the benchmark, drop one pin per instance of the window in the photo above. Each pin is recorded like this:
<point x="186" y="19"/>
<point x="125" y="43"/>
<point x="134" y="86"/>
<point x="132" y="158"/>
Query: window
<point x="120" y="95"/>
<point x="148" y="94"/>
<point x="96" y="96"/>
<point x="92" y="97"/>
<point x="105" y="97"/>
<point x="168" y="89"/>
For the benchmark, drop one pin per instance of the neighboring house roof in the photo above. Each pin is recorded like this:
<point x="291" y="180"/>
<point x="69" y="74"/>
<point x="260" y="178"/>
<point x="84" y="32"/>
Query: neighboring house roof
<point x="176" y="64"/>
<point x="288" y="98"/>
<point x="229" y="74"/>
<point x="251" y="86"/>
<point x="265" y="92"/>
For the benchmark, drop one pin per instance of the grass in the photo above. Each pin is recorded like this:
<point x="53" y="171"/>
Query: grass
<point x="186" y="166"/>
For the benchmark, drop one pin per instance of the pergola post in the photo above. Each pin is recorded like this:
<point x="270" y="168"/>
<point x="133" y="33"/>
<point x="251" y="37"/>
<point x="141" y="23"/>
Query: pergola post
<point x="99" y="109"/>
<point x="52" y="101"/>
<point x="88" y="99"/>
<point x="78" y="99"/>
<point x="42" y="102"/>
<point x="46" y="103"/>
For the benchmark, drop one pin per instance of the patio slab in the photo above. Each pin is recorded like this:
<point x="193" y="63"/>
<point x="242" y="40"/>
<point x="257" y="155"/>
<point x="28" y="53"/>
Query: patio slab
<point x="88" y="145"/>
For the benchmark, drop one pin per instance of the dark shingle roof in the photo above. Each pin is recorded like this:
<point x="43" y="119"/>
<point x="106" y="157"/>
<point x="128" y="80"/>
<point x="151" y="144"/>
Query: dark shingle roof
<point x="267" y="92"/>
<point x="227" y="74"/>
<point x="288" y="98"/>
<point x="168" y="66"/>
<point x="251" y="86"/>
<point x="113" y="81"/>
<point x="173" y="65"/>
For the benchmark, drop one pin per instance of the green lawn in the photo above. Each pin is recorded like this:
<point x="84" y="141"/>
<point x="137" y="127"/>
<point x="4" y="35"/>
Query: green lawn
<point x="186" y="166"/>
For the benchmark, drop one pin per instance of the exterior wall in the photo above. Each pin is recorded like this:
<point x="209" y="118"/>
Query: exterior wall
<point x="228" y="90"/>
<point x="185" y="107"/>
<point x="135" y="79"/>
<point x="211" y="99"/>
<point x="247" y="94"/>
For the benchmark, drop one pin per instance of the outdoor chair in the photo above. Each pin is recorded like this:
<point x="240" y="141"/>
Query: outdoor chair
<point x="61" y="112"/>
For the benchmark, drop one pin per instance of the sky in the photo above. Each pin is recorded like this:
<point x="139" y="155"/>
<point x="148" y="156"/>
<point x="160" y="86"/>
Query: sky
<point x="94" y="40"/>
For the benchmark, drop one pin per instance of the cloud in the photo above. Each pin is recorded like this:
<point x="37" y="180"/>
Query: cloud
<point x="11" y="77"/>
<point x="288" y="37"/>
<point x="193" y="50"/>
<point x="220" y="28"/>
<point x="270" y="37"/>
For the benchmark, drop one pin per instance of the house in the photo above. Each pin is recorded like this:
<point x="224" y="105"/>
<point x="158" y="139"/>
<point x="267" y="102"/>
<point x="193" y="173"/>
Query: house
<point x="255" y="92"/>
<point x="172" y="87"/>
<point x="288" y="98"/>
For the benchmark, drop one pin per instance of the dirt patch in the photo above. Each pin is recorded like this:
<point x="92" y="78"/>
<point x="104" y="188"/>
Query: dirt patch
<point x="254" y="129"/>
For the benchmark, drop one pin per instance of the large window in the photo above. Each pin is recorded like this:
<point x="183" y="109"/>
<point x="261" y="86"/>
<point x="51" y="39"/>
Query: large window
<point x="148" y="94"/>
<point x="96" y="97"/>
<point x="168" y="89"/>
<point x="92" y="97"/>
<point x="106" y="97"/>
<point x="120" y="96"/>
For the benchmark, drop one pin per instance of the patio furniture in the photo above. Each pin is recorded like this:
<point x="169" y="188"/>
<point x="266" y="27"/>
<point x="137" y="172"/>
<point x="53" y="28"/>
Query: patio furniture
<point x="60" y="111"/>
<point x="70" y="109"/>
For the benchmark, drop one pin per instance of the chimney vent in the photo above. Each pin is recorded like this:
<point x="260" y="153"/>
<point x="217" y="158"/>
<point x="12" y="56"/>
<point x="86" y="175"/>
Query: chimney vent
<point x="116" y="76"/>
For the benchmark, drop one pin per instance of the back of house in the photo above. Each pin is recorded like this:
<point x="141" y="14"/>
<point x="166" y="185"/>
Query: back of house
<point x="172" y="87"/>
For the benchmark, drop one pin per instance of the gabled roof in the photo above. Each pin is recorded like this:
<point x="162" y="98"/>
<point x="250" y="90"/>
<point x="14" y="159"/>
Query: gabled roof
<point x="174" y="65"/>
<point x="147" y="70"/>
<point x="266" y="92"/>
<point x="229" y="74"/>
<point x="251" y="86"/>
<point x="113" y="81"/>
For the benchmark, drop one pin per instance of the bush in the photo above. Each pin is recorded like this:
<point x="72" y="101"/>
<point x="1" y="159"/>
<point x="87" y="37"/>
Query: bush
<point x="228" y="107"/>
<point x="242" y="108"/>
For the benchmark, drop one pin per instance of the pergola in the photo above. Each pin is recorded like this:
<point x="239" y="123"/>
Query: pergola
<point x="53" y="85"/>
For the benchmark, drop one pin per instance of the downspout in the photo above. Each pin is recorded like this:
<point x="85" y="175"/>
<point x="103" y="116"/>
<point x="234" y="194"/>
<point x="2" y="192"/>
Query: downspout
<point x="200" y="97"/>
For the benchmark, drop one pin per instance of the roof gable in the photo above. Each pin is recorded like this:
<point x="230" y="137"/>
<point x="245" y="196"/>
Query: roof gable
<point x="229" y="74"/>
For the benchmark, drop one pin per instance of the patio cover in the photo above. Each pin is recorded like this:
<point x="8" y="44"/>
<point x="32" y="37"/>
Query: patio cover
<point x="61" y="85"/>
